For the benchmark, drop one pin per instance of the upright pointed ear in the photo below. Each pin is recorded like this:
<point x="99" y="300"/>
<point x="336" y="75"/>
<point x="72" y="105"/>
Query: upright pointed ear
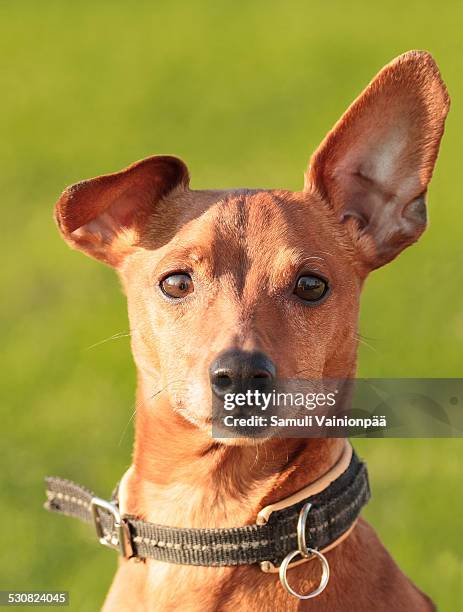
<point x="374" y="167"/>
<point x="103" y="216"/>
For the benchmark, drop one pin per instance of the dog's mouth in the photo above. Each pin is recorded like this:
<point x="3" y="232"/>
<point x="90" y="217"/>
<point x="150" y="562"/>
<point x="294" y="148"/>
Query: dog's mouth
<point x="222" y="428"/>
<point x="251" y="428"/>
<point x="246" y="422"/>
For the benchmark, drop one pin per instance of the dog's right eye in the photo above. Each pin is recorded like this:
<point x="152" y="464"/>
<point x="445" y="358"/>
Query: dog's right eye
<point x="311" y="288"/>
<point x="177" y="286"/>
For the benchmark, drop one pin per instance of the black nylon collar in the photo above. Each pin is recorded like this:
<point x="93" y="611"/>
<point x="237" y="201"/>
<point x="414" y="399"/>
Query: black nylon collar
<point x="333" y="511"/>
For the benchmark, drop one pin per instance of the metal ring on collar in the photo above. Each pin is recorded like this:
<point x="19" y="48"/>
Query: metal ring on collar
<point x="304" y="551"/>
<point x="323" y="581"/>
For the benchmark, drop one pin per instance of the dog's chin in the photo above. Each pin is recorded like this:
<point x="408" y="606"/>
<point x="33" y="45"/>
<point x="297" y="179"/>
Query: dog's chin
<point x="236" y="436"/>
<point x="231" y="438"/>
<point x="240" y="441"/>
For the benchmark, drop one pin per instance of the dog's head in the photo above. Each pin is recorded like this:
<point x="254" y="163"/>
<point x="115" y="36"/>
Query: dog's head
<point x="229" y="285"/>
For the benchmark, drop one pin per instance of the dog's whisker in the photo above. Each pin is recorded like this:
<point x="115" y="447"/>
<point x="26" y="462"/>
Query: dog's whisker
<point x="142" y="403"/>
<point x="301" y="371"/>
<point x="256" y="458"/>
<point x="126" y="427"/>
<point x="361" y="339"/>
<point x="113" y="337"/>
<point x="132" y="416"/>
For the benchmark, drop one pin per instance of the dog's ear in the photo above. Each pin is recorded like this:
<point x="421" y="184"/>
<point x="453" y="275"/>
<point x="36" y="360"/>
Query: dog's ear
<point x="374" y="166"/>
<point x="104" y="215"/>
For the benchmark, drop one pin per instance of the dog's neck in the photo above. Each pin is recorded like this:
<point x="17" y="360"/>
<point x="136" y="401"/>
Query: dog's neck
<point x="181" y="477"/>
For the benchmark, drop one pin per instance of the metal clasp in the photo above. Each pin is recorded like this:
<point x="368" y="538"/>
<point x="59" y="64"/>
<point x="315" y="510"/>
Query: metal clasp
<point x="119" y="538"/>
<point x="306" y="553"/>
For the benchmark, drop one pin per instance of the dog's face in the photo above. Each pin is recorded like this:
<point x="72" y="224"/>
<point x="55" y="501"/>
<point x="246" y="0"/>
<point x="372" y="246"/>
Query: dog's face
<point x="252" y="284"/>
<point x="227" y="286"/>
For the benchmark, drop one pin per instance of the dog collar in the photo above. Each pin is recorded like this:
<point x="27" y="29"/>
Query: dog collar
<point x="306" y="524"/>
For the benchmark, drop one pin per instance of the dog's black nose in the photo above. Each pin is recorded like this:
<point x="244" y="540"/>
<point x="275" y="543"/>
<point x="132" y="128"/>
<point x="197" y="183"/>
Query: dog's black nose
<point x="237" y="371"/>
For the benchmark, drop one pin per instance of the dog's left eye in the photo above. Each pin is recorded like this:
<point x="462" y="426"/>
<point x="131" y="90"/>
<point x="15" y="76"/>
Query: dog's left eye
<point x="177" y="285"/>
<point x="310" y="288"/>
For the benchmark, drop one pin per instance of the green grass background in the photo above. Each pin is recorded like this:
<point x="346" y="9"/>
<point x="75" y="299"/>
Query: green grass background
<point x="244" y="92"/>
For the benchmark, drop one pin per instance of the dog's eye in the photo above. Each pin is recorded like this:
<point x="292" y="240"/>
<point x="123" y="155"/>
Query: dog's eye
<point x="310" y="288"/>
<point x="177" y="285"/>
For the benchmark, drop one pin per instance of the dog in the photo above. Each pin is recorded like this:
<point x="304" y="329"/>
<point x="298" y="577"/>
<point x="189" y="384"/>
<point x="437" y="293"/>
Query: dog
<point x="216" y="278"/>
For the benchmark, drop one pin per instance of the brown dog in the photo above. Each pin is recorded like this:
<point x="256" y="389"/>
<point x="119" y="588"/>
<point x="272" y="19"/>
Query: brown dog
<point x="273" y="272"/>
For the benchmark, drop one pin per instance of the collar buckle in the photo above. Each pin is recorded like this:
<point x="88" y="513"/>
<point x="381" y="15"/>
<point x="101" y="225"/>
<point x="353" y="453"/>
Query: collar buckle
<point x="118" y="537"/>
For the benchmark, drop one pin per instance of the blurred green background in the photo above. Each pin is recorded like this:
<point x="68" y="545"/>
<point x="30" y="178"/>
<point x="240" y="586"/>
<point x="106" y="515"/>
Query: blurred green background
<point x="243" y="92"/>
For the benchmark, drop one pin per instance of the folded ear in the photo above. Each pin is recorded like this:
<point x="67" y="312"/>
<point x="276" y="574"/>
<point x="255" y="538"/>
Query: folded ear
<point x="104" y="215"/>
<point x="375" y="165"/>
